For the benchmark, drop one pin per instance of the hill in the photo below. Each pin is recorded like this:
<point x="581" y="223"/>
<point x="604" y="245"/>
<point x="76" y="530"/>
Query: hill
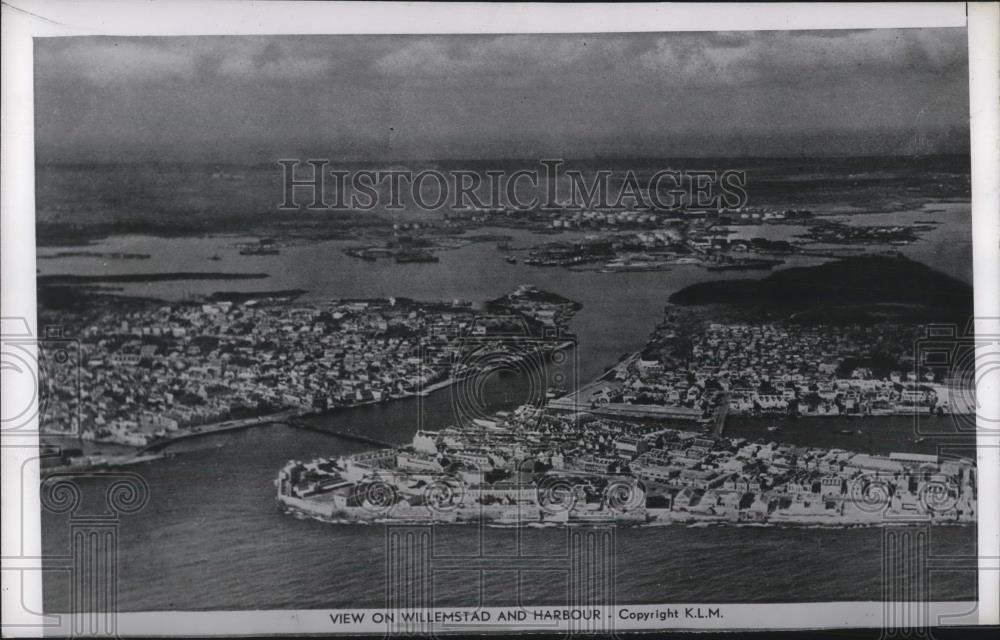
<point x="864" y="281"/>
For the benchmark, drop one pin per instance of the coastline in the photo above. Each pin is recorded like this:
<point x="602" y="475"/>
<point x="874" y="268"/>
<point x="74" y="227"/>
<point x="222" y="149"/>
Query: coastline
<point x="138" y="454"/>
<point x="221" y="427"/>
<point x="501" y="517"/>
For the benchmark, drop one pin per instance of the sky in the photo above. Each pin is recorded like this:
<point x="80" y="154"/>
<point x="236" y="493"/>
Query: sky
<point x="247" y="99"/>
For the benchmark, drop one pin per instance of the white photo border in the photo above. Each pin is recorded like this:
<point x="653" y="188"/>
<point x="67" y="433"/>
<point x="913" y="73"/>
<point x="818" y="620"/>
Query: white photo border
<point x="24" y="20"/>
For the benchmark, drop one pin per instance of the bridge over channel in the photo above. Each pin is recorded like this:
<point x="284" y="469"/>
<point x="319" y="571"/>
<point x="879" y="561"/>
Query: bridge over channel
<point x="345" y="435"/>
<point x="719" y="422"/>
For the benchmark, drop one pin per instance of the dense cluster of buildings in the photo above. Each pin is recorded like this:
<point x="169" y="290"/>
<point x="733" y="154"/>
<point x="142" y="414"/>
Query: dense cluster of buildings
<point x="840" y="233"/>
<point x="647" y="219"/>
<point x="696" y="241"/>
<point x="782" y="368"/>
<point x="147" y="370"/>
<point x="532" y="466"/>
<point x="623" y="217"/>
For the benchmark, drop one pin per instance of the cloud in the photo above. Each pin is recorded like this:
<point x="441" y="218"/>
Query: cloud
<point x="805" y="55"/>
<point x="560" y="90"/>
<point x="105" y="61"/>
<point x="251" y="68"/>
<point x="689" y="58"/>
<point x="109" y="61"/>
<point x="513" y="54"/>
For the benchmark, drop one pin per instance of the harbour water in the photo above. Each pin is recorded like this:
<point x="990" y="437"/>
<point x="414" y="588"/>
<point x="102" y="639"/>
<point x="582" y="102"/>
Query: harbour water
<point x="619" y="309"/>
<point x="212" y="536"/>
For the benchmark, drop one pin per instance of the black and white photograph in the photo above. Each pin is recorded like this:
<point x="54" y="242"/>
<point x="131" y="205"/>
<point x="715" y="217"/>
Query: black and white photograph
<point x="472" y="332"/>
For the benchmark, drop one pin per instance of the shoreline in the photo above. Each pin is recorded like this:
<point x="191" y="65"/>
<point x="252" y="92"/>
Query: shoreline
<point x="284" y="415"/>
<point x="328" y="514"/>
<point x="213" y="428"/>
<point x="139" y="454"/>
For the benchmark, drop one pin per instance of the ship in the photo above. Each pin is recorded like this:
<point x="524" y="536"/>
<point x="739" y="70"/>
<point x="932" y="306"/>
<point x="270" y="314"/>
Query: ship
<point x="511" y="259"/>
<point x="418" y="256"/>
<point x="742" y="265"/>
<point x="259" y="251"/>
<point x="366" y="254"/>
<point x="555" y="392"/>
<point x="628" y="267"/>
<point x="264" y="247"/>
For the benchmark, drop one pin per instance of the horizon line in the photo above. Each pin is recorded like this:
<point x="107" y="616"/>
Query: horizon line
<point x="535" y="159"/>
